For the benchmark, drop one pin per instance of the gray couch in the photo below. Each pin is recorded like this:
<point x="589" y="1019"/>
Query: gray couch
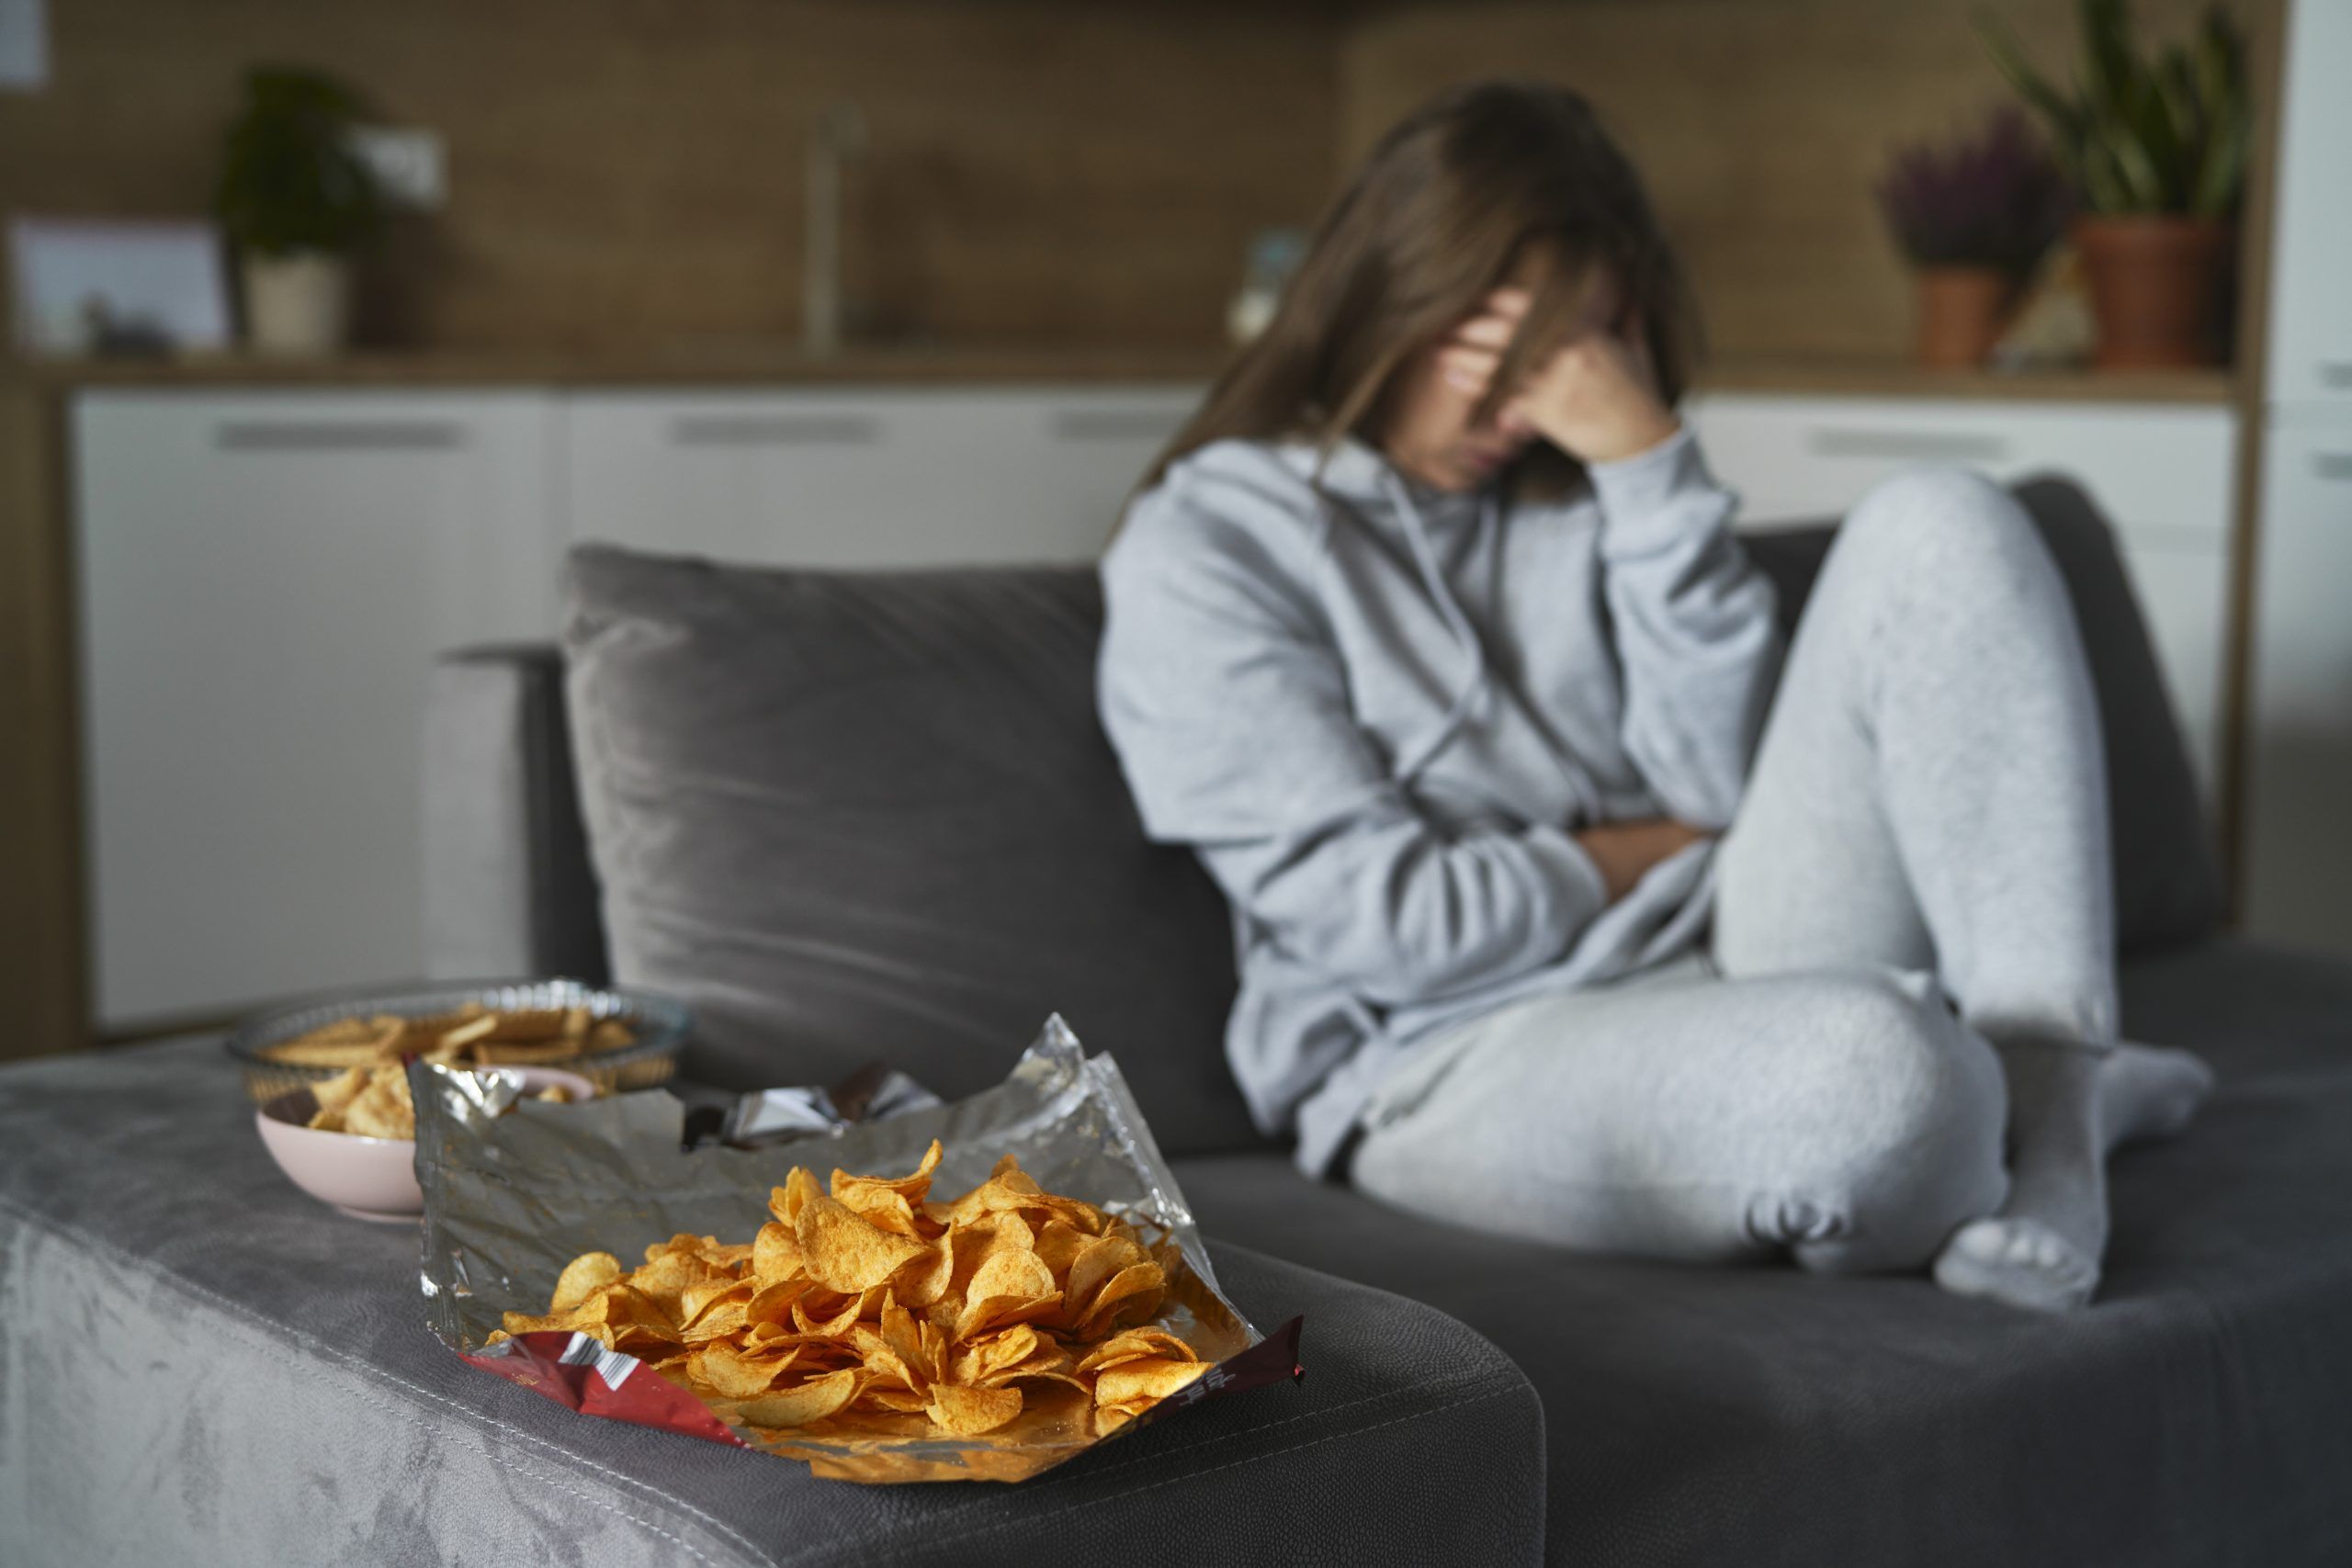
<point x="853" y="816"/>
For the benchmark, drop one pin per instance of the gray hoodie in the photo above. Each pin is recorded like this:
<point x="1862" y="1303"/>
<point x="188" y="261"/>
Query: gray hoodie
<point x="1377" y="712"/>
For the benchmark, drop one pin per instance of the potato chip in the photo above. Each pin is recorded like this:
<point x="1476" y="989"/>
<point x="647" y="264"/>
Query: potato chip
<point x="1010" y="1188"/>
<point x="1151" y="1379"/>
<point x="725" y="1321"/>
<point x="967" y="1411"/>
<point x="925" y="1278"/>
<point x="844" y="1249"/>
<point x="699" y="1299"/>
<point x="1134" y="1344"/>
<point x="1097" y="1262"/>
<point x="881" y="1208"/>
<point x="382" y="1109"/>
<point x="989" y="1312"/>
<point x="583" y="1277"/>
<point x="811" y="1401"/>
<point x="1059" y="1243"/>
<point x="799" y="1186"/>
<point x="1133" y="1292"/>
<point x="910" y="1187"/>
<point x="831" y="1328"/>
<point x="737" y="1374"/>
<point x="1109" y="1418"/>
<point x="339" y="1090"/>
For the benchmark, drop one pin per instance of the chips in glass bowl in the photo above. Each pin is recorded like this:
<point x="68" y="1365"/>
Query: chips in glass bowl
<point x="616" y="1038"/>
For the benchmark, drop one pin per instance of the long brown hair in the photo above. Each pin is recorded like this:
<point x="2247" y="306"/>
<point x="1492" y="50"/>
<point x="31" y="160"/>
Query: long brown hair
<point x="1439" y="215"/>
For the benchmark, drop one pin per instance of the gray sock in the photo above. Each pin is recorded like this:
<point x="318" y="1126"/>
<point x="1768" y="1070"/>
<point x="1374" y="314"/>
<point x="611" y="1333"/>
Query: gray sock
<point x="2070" y="1104"/>
<point x="2151" y="1091"/>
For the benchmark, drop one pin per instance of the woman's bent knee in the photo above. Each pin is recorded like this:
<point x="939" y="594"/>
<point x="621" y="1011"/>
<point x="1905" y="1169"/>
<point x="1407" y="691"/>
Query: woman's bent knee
<point x="1956" y="529"/>
<point x="1917" y="1143"/>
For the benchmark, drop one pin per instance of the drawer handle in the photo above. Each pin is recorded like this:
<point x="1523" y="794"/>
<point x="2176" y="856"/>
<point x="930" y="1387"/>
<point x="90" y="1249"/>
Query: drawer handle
<point x="2332" y="465"/>
<point x="2336" y="372"/>
<point x="775" y="429"/>
<point x="338" y="435"/>
<point x="1113" y="425"/>
<point x="1919" y="445"/>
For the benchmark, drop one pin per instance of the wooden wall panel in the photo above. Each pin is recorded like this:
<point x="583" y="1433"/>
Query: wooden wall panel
<point x="1761" y="126"/>
<point x="41" y="975"/>
<point x="628" y="171"/>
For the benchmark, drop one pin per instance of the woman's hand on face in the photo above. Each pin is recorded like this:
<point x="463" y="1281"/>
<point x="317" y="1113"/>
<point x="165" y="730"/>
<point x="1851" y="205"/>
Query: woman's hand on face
<point x="1595" y="397"/>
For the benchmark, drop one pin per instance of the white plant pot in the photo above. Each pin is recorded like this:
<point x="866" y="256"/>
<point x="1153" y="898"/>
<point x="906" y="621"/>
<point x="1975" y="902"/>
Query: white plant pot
<point x="296" y="306"/>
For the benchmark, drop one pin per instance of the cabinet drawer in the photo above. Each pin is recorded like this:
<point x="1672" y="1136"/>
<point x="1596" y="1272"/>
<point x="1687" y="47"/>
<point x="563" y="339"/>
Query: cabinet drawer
<point x="864" y="481"/>
<point x="2159" y="473"/>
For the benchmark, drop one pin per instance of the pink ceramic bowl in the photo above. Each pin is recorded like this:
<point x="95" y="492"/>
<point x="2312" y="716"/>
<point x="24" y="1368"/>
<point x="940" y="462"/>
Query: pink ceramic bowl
<point x="368" y="1179"/>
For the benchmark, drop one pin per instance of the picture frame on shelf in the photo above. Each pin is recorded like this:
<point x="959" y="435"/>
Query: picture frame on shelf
<point x="118" y="286"/>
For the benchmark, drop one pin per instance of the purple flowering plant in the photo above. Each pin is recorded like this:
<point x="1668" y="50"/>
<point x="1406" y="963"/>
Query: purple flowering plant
<point x="1997" y="198"/>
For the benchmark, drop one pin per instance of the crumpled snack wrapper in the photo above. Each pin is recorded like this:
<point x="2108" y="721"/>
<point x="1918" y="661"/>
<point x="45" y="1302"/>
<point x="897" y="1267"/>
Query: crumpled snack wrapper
<point x="516" y="1188"/>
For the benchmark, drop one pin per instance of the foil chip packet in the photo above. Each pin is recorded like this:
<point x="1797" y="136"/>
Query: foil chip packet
<point x="1056" y="1290"/>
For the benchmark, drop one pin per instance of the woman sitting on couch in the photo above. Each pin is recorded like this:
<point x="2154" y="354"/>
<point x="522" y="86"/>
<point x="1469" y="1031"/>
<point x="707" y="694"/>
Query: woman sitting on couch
<point x="1565" y="908"/>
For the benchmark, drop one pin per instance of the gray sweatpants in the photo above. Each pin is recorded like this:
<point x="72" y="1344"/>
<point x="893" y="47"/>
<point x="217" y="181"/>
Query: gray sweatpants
<point x="1920" y="866"/>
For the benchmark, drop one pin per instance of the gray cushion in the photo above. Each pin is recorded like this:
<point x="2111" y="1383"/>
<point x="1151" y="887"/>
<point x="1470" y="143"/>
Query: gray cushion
<point x="850" y="817"/>
<point x="201" y="1364"/>
<point x="508" y="885"/>
<point x="2193" y="1415"/>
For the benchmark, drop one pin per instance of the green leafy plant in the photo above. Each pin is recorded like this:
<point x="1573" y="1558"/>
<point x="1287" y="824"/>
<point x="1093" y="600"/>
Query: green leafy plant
<point x="2166" y="134"/>
<point x="290" y="181"/>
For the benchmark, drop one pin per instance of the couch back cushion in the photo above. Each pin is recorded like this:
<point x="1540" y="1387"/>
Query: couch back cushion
<point x="862" y="816"/>
<point x="857" y="817"/>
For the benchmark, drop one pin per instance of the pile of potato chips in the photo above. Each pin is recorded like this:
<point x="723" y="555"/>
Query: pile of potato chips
<point x="876" y="1311"/>
<point x="473" y="1035"/>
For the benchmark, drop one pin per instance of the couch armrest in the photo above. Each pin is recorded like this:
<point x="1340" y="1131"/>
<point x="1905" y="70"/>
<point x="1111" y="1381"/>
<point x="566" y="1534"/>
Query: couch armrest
<point x="508" y="887"/>
<point x="203" y="1363"/>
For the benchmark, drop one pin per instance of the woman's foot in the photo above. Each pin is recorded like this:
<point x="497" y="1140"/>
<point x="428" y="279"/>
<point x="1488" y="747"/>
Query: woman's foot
<point x="2042" y="1249"/>
<point x="2069" y="1105"/>
<point x="2151" y="1091"/>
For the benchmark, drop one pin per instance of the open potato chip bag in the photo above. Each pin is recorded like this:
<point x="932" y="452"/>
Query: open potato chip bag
<point x="978" y="1290"/>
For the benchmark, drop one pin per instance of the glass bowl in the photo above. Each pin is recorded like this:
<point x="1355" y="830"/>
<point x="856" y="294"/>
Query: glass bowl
<point x="662" y="1025"/>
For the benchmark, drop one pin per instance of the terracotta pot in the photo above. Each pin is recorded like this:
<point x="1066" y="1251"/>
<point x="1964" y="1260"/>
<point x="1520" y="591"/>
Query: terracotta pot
<point x="1961" y="311"/>
<point x="2155" y="287"/>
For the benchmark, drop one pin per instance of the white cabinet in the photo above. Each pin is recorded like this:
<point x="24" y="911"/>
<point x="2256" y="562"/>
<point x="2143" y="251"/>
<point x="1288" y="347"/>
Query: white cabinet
<point x="2160" y="474"/>
<point x="863" y="479"/>
<point x="2298" y="852"/>
<point x="263" y="579"/>
<point x="2310" y="287"/>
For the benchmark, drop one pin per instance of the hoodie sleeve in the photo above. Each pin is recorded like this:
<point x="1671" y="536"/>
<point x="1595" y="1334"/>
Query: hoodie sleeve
<point x="1227" y="704"/>
<point x="1693" y="623"/>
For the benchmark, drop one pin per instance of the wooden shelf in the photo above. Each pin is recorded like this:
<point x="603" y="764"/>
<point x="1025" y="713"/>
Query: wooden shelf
<point x="757" y="364"/>
<point x="749" y="362"/>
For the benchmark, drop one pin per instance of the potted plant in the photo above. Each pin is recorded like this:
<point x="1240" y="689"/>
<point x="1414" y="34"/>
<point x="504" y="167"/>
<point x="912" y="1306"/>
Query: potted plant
<point x="296" y="202"/>
<point x="2156" y="150"/>
<point x="1973" y="217"/>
